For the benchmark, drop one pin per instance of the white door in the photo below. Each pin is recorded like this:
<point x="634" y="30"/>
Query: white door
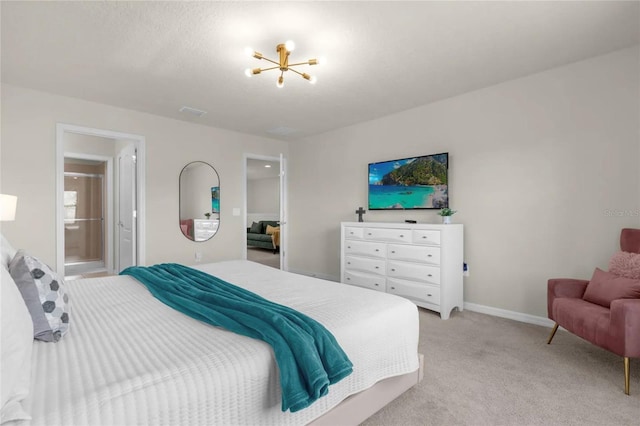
<point x="283" y="214"/>
<point x="127" y="208"/>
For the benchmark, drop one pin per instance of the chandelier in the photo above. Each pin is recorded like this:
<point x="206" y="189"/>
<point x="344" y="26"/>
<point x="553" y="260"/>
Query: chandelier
<point x="284" y="50"/>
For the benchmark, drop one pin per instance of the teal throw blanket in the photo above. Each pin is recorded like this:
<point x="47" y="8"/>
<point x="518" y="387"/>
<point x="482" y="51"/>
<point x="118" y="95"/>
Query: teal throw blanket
<point x="308" y="355"/>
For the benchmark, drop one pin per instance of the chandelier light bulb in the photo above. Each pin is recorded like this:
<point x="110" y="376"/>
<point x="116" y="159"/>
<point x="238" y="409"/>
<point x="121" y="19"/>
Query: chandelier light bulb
<point x="322" y="60"/>
<point x="280" y="82"/>
<point x="248" y="72"/>
<point x="290" y="45"/>
<point x="313" y="79"/>
<point x="248" y="51"/>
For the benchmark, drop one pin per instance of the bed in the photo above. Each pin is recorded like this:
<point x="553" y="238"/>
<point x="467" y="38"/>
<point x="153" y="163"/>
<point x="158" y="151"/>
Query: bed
<point x="129" y="359"/>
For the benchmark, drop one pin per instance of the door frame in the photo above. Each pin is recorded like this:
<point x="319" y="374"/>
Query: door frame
<point x="139" y="142"/>
<point x="118" y="218"/>
<point x="108" y="256"/>
<point x="282" y="188"/>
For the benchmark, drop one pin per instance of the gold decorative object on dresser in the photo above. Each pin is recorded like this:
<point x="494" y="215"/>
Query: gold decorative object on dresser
<point x="422" y="262"/>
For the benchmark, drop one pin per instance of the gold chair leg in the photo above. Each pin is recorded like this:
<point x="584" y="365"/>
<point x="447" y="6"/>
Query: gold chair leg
<point x="553" y="333"/>
<point x="626" y="375"/>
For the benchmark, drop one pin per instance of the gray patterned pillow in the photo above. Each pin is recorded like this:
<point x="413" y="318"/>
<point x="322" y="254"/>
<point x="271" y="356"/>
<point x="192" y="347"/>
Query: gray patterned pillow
<point x="44" y="294"/>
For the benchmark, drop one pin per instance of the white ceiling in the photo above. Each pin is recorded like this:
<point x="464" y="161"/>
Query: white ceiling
<point x="383" y="57"/>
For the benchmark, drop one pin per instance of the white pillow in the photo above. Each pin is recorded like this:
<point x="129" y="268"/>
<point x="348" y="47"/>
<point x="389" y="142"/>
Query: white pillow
<point x="16" y="344"/>
<point x="6" y="252"/>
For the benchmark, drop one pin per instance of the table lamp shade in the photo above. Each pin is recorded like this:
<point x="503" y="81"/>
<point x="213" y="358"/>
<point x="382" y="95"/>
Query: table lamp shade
<point x="8" y="207"/>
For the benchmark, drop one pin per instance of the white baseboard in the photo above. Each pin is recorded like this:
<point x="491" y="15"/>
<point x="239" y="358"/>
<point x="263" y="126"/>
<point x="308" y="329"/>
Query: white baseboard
<point x="503" y="313"/>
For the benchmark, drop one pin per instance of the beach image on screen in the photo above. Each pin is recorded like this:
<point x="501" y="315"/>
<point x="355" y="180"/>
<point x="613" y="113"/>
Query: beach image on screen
<point x="410" y="183"/>
<point x="215" y="199"/>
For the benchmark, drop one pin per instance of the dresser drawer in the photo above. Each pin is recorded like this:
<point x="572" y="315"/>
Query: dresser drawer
<point x="367" y="281"/>
<point x="423" y="254"/>
<point x="374" y="266"/>
<point x="352" y="232"/>
<point x="422" y="292"/>
<point x="381" y="234"/>
<point x="203" y="234"/>
<point x="365" y="248"/>
<point x="413" y="271"/>
<point x="205" y="224"/>
<point x="426" y="237"/>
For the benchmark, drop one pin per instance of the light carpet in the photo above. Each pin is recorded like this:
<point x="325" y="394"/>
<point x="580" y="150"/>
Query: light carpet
<point x="484" y="370"/>
<point x="264" y="256"/>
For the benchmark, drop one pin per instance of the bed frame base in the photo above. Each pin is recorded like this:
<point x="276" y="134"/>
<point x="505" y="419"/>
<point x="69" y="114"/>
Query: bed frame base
<point x="357" y="408"/>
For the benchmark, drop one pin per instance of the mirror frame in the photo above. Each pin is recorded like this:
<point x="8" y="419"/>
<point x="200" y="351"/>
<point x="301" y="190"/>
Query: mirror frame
<point x="180" y="197"/>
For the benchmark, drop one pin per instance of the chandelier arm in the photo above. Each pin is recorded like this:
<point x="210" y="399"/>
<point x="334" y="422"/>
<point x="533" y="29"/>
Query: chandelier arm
<point x="273" y="62"/>
<point x="297" y="72"/>
<point x="268" y="69"/>
<point x="300" y="63"/>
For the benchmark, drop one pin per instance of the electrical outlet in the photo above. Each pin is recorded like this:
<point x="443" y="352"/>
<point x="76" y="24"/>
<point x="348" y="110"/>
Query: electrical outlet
<point x="465" y="270"/>
<point x="198" y="256"/>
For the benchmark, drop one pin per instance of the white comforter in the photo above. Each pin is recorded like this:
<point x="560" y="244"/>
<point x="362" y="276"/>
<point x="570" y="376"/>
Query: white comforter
<point x="129" y="359"/>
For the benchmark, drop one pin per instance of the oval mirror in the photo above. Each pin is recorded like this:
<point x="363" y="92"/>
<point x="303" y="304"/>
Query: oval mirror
<point x="199" y="201"/>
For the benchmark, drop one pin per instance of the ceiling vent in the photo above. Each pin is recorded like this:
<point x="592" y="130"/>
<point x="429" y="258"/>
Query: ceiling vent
<point x="192" y="111"/>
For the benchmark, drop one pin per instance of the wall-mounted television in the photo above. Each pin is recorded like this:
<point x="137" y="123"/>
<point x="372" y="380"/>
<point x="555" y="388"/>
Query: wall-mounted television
<point x="410" y="183"/>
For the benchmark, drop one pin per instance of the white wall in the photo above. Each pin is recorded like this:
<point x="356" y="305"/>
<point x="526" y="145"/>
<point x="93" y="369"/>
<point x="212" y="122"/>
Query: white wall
<point x="263" y="195"/>
<point x="537" y="165"/>
<point x="87" y="144"/>
<point x="27" y="160"/>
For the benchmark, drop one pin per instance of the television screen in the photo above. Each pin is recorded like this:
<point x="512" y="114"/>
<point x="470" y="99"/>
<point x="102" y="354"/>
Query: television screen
<point x="409" y="183"/>
<point x="215" y="199"/>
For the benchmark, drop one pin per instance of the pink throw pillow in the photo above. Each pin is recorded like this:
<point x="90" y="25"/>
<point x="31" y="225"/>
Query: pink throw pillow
<point x="625" y="264"/>
<point x="606" y="287"/>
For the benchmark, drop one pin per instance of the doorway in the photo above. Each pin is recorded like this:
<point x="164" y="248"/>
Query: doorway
<point x="85" y="209"/>
<point x="265" y="202"/>
<point x="100" y="200"/>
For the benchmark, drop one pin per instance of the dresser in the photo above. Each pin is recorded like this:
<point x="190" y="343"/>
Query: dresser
<point x="422" y="262"/>
<point x="203" y="229"/>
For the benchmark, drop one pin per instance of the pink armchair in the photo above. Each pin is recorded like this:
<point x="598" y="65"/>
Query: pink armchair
<point x="615" y="328"/>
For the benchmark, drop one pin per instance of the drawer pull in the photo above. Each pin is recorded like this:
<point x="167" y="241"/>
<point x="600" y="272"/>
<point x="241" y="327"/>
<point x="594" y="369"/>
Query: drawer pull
<point x="377" y="267"/>
<point x="351" y="233"/>
<point x="377" y="285"/>
<point x="348" y="246"/>
<point x="429" y="275"/>
<point x="429" y="295"/>
<point x="424" y="237"/>
<point x="348" y="279"/>
<point x="377" y="249"/>
<point x="393" y="251"/>
<point x="401" y="236"/>
<point x="393" y="288"/>
<point x="429" y="255"/>
<point x="348" y="263"/>
<point x="369" y="233"/>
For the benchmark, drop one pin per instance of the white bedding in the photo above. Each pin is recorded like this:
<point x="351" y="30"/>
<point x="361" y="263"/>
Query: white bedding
<point x="129" y="359"/>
